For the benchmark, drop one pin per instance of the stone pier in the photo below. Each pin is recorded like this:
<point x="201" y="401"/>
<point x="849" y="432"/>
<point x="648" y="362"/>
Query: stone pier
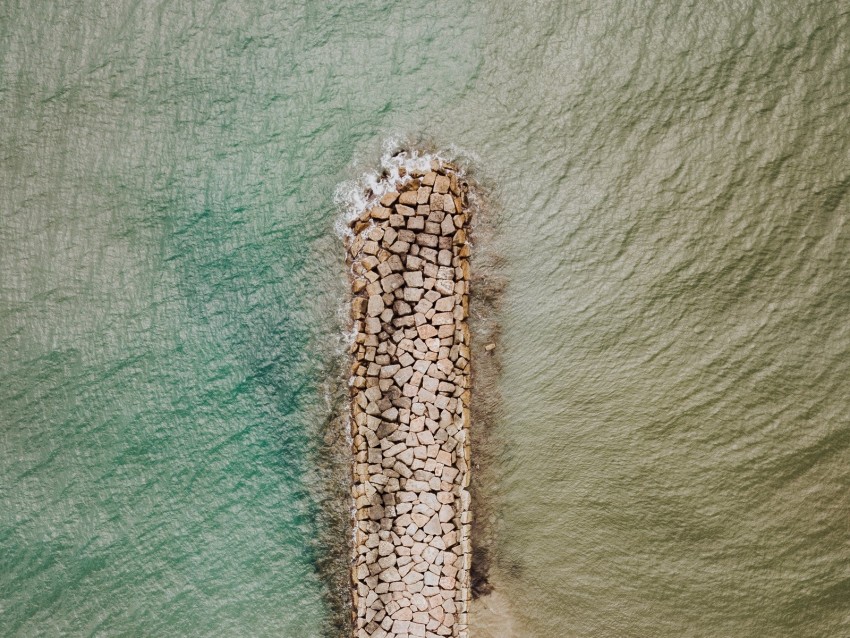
<point x="410" y="389"/>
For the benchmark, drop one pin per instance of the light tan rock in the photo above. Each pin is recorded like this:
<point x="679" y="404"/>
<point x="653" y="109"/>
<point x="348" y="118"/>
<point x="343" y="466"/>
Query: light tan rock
<point x="454" y="185"/>
<point x="413" y="294"/>
<point x="437" y="613"/>
<point x="379" y="213"/>
<point x="369" y="262"/>
<point x="375" y="306"/>
<point x="433" y="528"/>
<point x="446" y="513"/>
<point x="389" y="236"/>
<point x="418" y="486"/>
<point x="429" y="383"/>
<point x="408" y="198"/>
<point x="376" y="233"/>
<point x="428" y="254"/>
<point x="447" y="582"/>
<point x="442" y="318"/>
<point x="427" y="239"/>
<point x="441" y="184"/>
<point x="447" y="226"/>
<point x="403" y="376"/>
<point x="426" y="331"/>
<point x="445" y="286"/>
<point x="399" y="247"/>
<point x="406" y="456"/>
<point x="445" y="304"/>
<point x="372" y="325"/>
<point x="444" y="457"/>
<point x="390" y="575"/>
<point x="403" y="613"/>
<point x="392" y="282"/>
<point x="449" y="204"/>
<point x="400" y="627"/>
<point x="430" y="554"/>
<point x="388" y="199"/>
<point x="413" y="278"/>
<point x="395" y="263"/>
<point x="419" y="602"/>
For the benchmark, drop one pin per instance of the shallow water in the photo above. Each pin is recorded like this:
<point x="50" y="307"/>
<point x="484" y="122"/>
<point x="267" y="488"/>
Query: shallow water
<point x="669" y="182"/>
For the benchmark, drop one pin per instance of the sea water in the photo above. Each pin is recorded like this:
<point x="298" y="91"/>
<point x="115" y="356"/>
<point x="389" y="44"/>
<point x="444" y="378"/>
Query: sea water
<point x="668" y="182"/>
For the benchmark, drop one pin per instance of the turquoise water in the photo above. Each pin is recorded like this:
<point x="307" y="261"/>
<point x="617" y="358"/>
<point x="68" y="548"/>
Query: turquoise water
<point x="670" y="194"/>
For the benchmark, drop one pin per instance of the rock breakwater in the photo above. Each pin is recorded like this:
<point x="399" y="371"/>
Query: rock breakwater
<point x="408" y="254"/>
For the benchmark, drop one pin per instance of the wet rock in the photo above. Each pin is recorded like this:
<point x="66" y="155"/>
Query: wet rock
<point x="408" y="198"/>
<point x="441" y="184"/>
<point x="388" y="199"/>
<point x="358" y="307"/>
<point x="379" y="213"/>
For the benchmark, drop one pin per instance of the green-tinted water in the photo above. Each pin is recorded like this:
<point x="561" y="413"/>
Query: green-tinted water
<point x="671" y="181"/>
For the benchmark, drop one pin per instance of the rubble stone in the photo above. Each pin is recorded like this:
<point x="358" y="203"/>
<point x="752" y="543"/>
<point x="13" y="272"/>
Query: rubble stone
<point x="409" y="390"/>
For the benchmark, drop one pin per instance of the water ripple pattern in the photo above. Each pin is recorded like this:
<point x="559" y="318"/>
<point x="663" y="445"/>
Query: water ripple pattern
<point x="671" y="180"/>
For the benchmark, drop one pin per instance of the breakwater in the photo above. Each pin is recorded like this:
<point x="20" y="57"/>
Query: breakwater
<point x="408" y="254"/>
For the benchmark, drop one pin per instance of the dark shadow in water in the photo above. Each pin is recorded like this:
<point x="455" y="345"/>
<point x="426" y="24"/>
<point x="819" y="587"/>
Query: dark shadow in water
<point x="486" y="293"/>
<point x="334" y="560"/>
<point x="332" y="548"/>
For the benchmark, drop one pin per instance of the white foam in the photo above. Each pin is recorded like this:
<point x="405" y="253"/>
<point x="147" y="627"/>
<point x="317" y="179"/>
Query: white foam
<point x="355" y="196"/>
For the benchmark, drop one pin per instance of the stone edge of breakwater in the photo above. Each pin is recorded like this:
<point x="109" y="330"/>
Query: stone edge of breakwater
<point x="408" y="257"/>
